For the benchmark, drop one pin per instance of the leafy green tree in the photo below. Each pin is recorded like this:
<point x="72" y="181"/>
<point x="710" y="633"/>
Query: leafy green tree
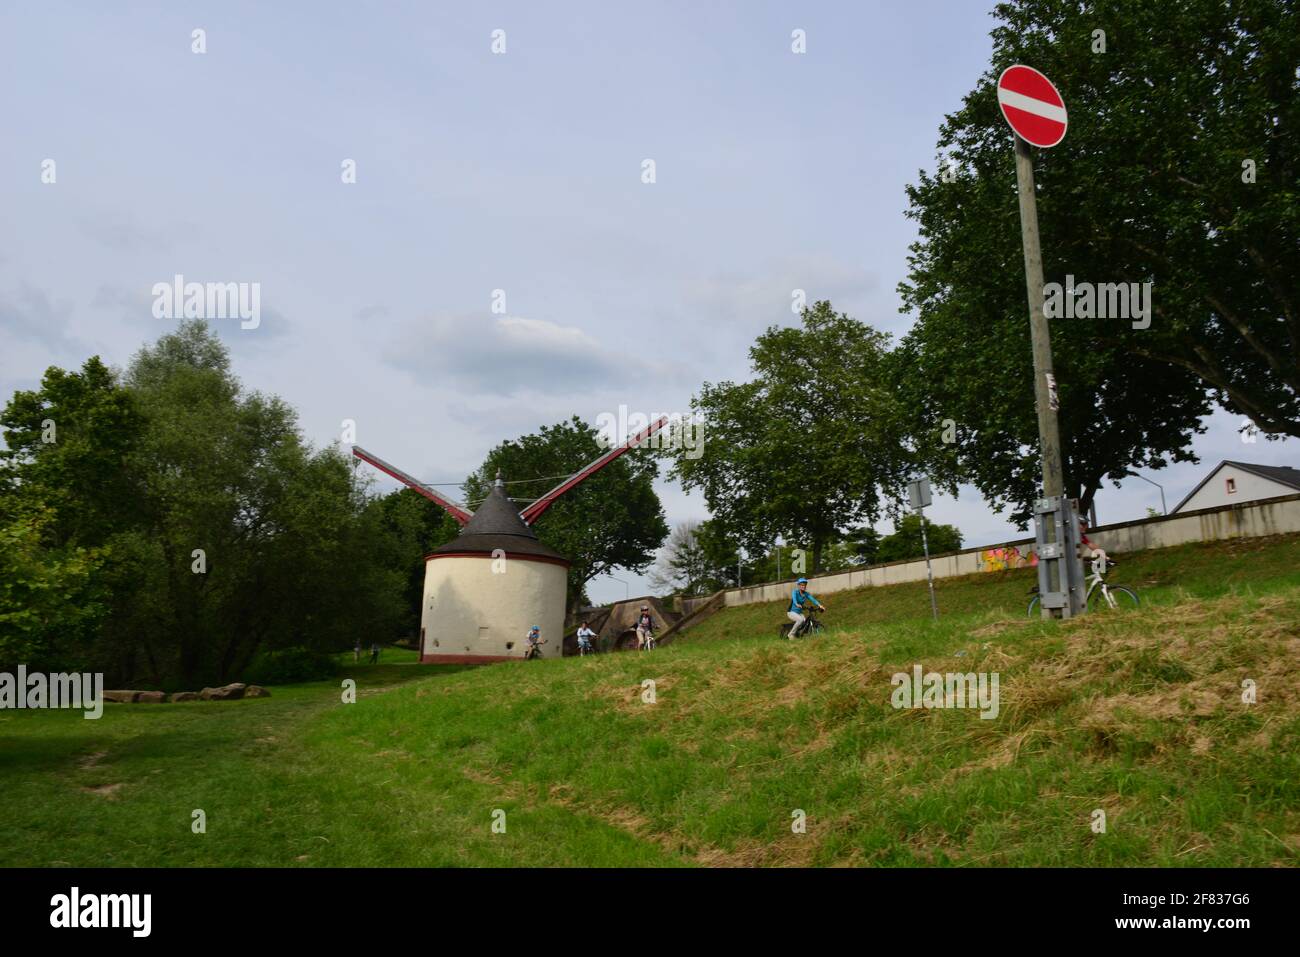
<point x="612" y="520"/>
<point x="728" y="561"/>
<point x="851" y="549"/>
<point x="703" y="557"/>
<point x="51" y="598"/>
<point x="251" y="539"/>
<point x="858" y="546"/>
<point x="683" y="567"/>
<point x="67" y="445"/>
<point x="811" y="445"/>
<point x="67" y="499"/>
<point x="410" y="526"/>
<point x="174" y="525"/>
<point x="1179" y="169"/>
<point x="216" y="465"/>
<point x="905" y="541"/>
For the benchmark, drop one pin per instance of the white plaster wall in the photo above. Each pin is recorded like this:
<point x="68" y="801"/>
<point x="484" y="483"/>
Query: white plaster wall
<point x="1250" y="487"/>
<point x="1248" y="521"/>
<point x="463" y="596"/>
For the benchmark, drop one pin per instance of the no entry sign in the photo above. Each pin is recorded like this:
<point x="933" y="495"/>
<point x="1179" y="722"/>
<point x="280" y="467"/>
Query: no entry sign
<point x="1032" y="105"/>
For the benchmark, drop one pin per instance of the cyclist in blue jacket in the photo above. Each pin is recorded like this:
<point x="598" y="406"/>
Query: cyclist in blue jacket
<point x="799" y="599"/>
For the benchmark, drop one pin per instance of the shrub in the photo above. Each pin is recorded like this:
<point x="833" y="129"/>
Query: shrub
<point x="290" y="665"/>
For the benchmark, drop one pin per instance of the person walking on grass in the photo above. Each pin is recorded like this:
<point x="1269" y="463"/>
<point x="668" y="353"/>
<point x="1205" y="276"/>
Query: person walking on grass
<point x="356" y="651"/>
<point x="374" y="652"/>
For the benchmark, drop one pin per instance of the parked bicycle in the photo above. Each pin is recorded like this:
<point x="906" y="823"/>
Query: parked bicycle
<point x="1101" y="594"/>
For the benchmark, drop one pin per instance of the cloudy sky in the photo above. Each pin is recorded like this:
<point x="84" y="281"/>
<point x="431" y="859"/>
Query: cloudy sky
<point x="475" y="172"/>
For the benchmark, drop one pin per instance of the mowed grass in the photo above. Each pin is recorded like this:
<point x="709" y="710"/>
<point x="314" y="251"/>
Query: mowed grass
<point x="1138" y="714"/>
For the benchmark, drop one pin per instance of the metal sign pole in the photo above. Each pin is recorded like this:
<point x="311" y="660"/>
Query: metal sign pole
<point x="929" y="572"/>
<point x="918" y="496"/>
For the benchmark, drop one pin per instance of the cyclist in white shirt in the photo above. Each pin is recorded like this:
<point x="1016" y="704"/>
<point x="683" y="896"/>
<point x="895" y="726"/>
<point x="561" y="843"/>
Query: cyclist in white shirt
<point x="585" y="635"/>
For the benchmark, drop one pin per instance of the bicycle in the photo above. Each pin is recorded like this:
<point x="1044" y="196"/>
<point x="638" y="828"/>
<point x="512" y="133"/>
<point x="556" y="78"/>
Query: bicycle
<point x="1101" y="594"/>
<point x="811" y="626"/>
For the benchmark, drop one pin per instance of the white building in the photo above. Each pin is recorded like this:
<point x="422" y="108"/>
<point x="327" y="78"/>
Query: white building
<point x="487" y="587"/>
<point x="1234" y="483"/>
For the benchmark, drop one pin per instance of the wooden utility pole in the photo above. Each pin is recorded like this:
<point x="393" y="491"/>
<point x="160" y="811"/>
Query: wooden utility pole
<point x="1045" y="396"/>
<point x="1045" y="393"/>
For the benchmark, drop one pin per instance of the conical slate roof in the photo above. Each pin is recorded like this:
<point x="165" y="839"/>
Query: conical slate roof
<point x="496" y="524"/>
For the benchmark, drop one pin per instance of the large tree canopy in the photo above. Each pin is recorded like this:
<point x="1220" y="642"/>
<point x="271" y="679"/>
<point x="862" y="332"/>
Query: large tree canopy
<point x="66" y="495"/>
<point x="612" y="520"/>
<point x="169" y="526"/>
<point x="68" y="444"/>
<point x="810" y="446"/>
<point x="1179" y="169"/>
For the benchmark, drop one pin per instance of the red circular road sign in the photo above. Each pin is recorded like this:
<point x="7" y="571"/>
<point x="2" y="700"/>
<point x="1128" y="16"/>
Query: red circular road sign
<point x="1032" y="105"/>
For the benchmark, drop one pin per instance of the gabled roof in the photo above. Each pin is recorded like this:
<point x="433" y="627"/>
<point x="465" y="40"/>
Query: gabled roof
<point x="496" y="524"/>
<point x="1281" y="474"/>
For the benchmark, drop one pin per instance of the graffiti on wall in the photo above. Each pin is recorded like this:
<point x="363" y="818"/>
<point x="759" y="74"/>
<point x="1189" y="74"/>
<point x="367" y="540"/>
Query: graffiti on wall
<point x="1007" y="556"/>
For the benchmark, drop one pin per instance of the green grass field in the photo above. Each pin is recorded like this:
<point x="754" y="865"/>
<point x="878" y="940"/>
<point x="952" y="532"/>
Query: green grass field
<point x="1136" y="714"/>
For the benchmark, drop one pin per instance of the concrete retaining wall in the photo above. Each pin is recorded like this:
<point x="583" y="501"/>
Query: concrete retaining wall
<point x="1277" y="516"/>
<point x="690" y="605"/>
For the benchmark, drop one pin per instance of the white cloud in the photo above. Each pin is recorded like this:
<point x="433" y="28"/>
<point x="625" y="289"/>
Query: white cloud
<point x="510" y="355"/>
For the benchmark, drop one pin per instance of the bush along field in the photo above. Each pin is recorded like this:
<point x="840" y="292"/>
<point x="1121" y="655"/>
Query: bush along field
<point x="1169" y="735"/>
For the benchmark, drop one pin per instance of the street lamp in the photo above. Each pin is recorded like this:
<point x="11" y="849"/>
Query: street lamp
<point x="626" y="593"/>
<point x="1157" y="485"/>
